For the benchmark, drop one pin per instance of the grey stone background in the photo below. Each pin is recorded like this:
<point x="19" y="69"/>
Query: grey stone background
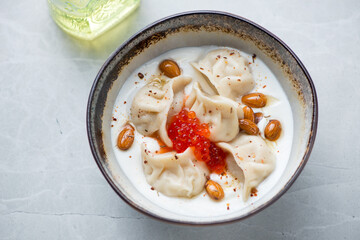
<point x="50" y="186"/>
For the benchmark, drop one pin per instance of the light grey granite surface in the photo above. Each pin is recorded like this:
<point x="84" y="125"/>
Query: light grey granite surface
<point x="50" y="186"/>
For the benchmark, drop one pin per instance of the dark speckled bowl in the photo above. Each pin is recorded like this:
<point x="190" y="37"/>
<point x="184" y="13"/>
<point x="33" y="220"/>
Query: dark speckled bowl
<point x="197" y="29"/>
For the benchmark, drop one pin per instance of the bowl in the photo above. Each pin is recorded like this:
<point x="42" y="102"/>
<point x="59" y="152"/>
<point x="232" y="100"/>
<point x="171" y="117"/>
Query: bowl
<point x="200" y="28"/>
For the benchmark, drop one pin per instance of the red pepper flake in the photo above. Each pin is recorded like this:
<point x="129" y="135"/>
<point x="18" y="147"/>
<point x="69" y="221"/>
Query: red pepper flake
<point x="112" y="125"/>
<point x="130" y="156"/>
<point x="202" y="68"/>
<point x="140" y="75"/>
<point x="228" y="206"/>
<point x="232" y="53"/>
<point x="264" y="86"/>
<point x="234" y="189"/>
<point x="249" y="63"/>
<point x="152" y="188"/>
<point x="114" y="119"/>
<point x="124" y="102"/>
<point x="136" y="83"/>
<point x="253" y="192"/>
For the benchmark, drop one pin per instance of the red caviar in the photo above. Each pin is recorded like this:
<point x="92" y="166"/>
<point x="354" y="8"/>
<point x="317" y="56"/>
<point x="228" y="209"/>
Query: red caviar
<point x="185" y="130"/>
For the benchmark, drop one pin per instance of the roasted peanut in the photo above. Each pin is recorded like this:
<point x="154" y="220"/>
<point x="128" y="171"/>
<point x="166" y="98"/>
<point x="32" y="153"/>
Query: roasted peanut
<point x="126" y="137"/>
<point x="169" y="68"/>
<point x="273" y="130"/>
<point x="248" y="113"/>
<point x="248" y="126"/>
<point x="254" y="100"/>
<point x="258" y="117"/>
<point x="214" y="190"/>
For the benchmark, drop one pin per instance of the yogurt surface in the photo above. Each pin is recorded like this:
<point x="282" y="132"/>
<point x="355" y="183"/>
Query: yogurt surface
<point x="130" y="161"/>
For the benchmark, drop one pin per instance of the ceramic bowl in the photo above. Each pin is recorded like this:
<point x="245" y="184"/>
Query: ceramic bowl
<point x="197" y="29"/>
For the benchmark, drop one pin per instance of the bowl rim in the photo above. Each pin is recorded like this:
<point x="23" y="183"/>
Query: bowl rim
<point x="289" y="183"/>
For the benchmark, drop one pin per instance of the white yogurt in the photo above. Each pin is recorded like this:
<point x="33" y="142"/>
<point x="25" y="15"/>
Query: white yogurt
<point x="131" y="163"/>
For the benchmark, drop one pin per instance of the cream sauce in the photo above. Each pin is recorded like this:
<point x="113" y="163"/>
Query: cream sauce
<point x="131" y="163"/>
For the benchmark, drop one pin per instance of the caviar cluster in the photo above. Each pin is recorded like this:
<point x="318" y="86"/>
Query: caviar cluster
<point x="185" y="130"/>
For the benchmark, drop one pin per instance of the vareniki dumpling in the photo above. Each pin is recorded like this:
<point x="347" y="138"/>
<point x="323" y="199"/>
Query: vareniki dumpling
<point x="153" y="102"/>
<point x="174" y="174"/>
<point x="228" y="71"/>
<point x="219" y="112"/>
<point x="253" y="156"/>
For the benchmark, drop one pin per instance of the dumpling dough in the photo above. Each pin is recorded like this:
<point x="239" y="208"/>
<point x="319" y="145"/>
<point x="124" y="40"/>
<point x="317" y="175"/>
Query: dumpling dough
<point x="228" y="71"/>
<point x="174" y="174"/>
<point x="219" y="112"/>
<point x="153" y="102"/>
<point x="253" y="156"/>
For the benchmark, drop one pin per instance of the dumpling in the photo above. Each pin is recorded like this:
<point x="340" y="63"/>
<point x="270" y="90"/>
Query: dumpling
<point x="153" y="102"/>
<point x="228" y="71"/>
<point x="174" y="174"/>
<point x="253" y="156"/>
<point x="178" y="86"/>
<point x="219" y="112"/>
